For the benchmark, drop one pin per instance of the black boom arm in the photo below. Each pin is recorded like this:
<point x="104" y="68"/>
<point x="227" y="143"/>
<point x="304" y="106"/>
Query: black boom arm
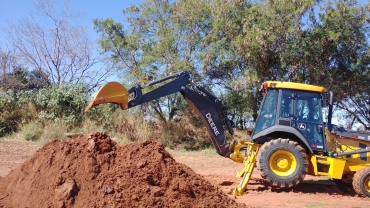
<point x="208" y="106"/>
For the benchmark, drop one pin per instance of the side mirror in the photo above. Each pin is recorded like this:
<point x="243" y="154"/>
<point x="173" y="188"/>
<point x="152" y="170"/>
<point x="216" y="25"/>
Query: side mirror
<point x="331" y="97"/>
<point x="331" y="101"/>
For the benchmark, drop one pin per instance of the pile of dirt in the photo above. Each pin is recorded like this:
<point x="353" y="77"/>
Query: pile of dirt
<point x="95" y="171"/>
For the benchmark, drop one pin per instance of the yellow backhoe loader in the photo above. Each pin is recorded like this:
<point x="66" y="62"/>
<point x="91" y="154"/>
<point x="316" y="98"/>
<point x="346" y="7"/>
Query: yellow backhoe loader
<point x="290" y="138"/>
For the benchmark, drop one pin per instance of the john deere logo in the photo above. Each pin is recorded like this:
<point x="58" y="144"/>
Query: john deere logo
<point x="212" y="124"/>
<point x="302" y="126"/>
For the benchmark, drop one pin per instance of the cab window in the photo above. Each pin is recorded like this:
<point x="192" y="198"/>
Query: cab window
<point x="286" y="104"/>
<point x="267" y="114"/>
<point x="308" y="107"/>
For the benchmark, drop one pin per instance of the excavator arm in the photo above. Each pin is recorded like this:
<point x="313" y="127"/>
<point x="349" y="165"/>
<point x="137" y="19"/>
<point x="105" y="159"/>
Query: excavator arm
<point x="208" y="106"/>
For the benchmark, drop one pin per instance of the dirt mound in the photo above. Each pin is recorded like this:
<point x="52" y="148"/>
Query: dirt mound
<point x="94" y="171"/>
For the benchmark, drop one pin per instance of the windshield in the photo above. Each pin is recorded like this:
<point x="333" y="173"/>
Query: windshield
<point x="267" y="114"/>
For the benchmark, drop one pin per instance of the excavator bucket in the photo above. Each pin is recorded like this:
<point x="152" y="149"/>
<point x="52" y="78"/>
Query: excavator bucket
<point x="112" y="92"/>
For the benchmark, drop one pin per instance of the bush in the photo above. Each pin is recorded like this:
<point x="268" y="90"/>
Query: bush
<point x="133" y="126"/>
<point x="32" y="131"/>
<point x="50" y="112"/>
<point x="13" y="111"/>
<point x="103" y="116"/>
<point x="61" y="103"/>
<point x="54" y="130"/>
<point x="126" y="125"/>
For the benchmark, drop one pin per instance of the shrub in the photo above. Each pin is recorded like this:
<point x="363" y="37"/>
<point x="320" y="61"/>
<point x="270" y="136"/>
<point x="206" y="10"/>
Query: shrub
<point x="61" y="103"/>
<point x="54" y="130"/>
<point x="13" y="111"/>
<point x="32" y="131"/>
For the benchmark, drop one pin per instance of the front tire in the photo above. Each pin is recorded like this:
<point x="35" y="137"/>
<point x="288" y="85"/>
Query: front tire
<point x="282" y="162"/>
<point x="361" y="182"/>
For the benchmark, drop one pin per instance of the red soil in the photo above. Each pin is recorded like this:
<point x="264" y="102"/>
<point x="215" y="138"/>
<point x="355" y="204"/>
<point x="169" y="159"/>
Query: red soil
<point x="94" y="171"/>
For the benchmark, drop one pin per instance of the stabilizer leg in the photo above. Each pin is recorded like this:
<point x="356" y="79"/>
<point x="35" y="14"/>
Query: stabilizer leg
<point x="249" y="164"/>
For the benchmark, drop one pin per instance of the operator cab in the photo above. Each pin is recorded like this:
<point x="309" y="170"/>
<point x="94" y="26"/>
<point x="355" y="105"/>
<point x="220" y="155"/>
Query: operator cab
<point x="291" y="110"/>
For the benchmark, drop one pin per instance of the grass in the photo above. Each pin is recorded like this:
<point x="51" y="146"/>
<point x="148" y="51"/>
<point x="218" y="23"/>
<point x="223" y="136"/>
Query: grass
<point x="125" y="127"/>
<point x="35" y="131"/>
<point x="181" y="152"/>
<point x="316" y="205"/>
<point x="323" y="205"/>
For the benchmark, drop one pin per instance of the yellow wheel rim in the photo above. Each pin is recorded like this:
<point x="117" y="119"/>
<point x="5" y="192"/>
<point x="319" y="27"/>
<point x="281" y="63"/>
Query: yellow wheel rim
<point x="367" y="184"/>
<point x="283" y="163"/>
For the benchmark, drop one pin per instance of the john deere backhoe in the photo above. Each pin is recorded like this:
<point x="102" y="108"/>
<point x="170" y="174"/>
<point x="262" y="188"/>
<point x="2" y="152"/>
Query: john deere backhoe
<point x="289" y="141"/>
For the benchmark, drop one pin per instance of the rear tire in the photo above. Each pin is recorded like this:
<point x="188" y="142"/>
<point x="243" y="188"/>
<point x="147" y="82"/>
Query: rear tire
<point x="282" y="162"/>
<point x="361" y="182"/>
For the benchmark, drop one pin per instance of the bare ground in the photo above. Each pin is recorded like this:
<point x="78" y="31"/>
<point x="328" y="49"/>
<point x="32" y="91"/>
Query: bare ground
<point x="312" y="192"/>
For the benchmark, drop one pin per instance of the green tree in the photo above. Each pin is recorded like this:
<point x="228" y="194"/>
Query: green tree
<point x="153" y="47"/>
<point x="335" y="54"/>
<point x="237" y="45"/>
<point x="23" y="79"/>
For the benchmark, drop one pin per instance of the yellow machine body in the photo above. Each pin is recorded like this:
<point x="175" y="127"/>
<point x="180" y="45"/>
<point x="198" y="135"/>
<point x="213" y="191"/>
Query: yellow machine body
<point x="336" y="167"/>
<point x="293" y="86"/>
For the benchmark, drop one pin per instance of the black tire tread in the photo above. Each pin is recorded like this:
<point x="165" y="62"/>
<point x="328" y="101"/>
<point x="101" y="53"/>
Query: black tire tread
<point x="268" y="175"/>
<point x="358" y="180"/>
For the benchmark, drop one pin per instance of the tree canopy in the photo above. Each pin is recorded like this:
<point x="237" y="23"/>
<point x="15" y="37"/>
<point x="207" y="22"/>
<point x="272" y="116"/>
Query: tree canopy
<point x="238" y="44"/>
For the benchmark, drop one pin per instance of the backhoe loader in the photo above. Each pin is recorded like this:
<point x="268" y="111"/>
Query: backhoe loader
<point x="290" y="138"/>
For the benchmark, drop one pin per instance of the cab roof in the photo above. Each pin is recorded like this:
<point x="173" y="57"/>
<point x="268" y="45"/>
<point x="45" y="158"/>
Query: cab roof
<point x="292" y="86"/>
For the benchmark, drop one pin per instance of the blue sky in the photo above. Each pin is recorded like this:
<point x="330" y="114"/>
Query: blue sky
<point x="13" y="10"/>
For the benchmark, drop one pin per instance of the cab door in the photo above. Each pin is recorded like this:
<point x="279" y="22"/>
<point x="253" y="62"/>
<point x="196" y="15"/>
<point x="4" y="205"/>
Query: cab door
<point x="308" y="115"/>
